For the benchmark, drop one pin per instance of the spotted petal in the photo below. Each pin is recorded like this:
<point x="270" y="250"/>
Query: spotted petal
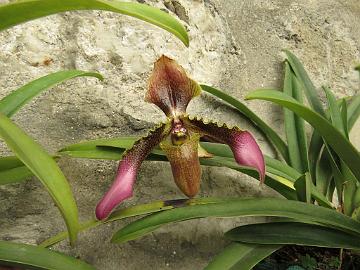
<point x="122" y="187"/>
<point x="170" y="88"/>
<point x="243" y="145"/>
<point x="185" y="165"/>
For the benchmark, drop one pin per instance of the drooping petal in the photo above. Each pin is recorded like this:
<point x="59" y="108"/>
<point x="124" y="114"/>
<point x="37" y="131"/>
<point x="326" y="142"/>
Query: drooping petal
<point x="243" y="145"/>
<point x="122" y="186"/>
<point x="170" y="88"/>
<point x="185" y="165"/>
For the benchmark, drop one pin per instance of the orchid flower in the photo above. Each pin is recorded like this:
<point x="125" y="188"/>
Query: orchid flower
<point x="171" y="90"/>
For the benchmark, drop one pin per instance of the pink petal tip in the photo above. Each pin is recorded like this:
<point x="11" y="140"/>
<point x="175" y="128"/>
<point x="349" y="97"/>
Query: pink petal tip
<point x="247" y="152"/>
<point x="120" y="190"/>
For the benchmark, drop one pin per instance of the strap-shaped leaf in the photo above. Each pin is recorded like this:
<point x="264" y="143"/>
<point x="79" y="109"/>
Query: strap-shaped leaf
<point x="92" y="149"/>
<point x="294" y="125"/>
<point x="344" y="149"/>
<point x="241" y="256"/>
<point x="303" y="77"/>
<point x="27" y="256"/>
<point x="319" y="164"/>
<point x="315" y="148"/>
<point x="132" y="211"/>
<point x="271" y="134"/>
<point x="335" y="114"/>
<point x="10" y="104"/>
<point x="21" y="11"/>
<point x="322" y="174"/>
<point x="294" y="233"/>
<point x="344" y="179"/>
<point x="303" y="188"/>
<point x="344" y="116"/>
<point x="353" y="112"/>
<point x="12" y="170"/>
<point x="315" y="103"/>
<point x="305" y="213"/>
<point x="44" y="168"/>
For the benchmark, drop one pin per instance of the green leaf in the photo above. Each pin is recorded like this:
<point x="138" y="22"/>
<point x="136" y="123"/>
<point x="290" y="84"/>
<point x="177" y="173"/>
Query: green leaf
<point x="305" y="213"/>
<point x="16" y="99"/>
<point x="308" y="86"/>
<point x="244" y="110"/>
<point x="356" y="203"/>
<point x="131" y="211"/>
<point x="323" y="173"/>
<point x="312" y="97"/>
<point x="344" y="180"/>
<point x="330" y="192"/>
<point x="303" y="188"/>
<point x="241" y="256"/>
<point x="285" y="233"/>
<point x="349" y="194"/>
<point x="344" y="149"/>
<point x="27" y="256"/>
<point x="315" y="147"/>
<point x="344" y="116"/>
<point x="12" y="170"/>
<point x="349" y="188"/>
<point x="294" y="125"/>
<point x="353" y="111"/>
<point x="316" y="142"/>
<point x="319" y="197"/>
<point x="338" y="176"/>
<point x="335" y="113"/>
<point x="44" y="168"/>
<point x="91" y="149"/>
<point x="22" y="11"/>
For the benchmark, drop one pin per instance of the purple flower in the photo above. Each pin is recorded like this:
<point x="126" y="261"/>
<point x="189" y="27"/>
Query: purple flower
<point x="171" y="90"/>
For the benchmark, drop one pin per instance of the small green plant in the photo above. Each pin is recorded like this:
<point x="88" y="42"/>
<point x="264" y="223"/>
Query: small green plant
<point x="308" y="262"/>
<point x="334" y="263"/>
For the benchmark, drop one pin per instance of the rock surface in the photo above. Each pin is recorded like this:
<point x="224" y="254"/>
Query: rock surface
<point x="235" y="45"/>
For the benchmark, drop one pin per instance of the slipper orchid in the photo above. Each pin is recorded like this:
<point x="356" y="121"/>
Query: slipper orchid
<point x="171" y="90"/>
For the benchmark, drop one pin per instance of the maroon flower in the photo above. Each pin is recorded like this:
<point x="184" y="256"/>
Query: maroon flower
<point x="171" y="90"/>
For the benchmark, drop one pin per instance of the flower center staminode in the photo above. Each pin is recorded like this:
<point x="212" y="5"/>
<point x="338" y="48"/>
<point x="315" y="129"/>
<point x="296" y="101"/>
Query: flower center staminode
<point x="179" y="133"/>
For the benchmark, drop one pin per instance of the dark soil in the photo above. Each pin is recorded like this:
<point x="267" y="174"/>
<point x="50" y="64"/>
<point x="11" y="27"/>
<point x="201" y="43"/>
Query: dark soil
<point x="310" y="258"/>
